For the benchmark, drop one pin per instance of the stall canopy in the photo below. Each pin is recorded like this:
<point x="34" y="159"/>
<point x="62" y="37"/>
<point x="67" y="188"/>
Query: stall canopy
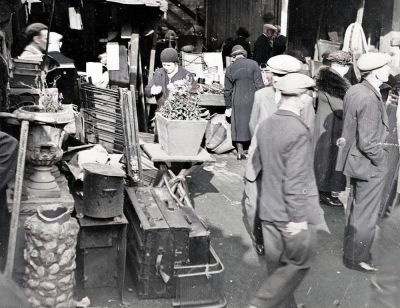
<point x="162" y="4"/>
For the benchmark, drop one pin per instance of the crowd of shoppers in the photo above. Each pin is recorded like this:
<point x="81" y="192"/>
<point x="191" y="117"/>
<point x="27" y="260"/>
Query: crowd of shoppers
<point x="307" y="135"/>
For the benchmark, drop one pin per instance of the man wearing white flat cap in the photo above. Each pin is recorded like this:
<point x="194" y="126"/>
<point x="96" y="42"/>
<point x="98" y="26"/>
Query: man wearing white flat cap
<point x="362" y="157"/>
<point x="289" y="208"/>
<point x="265" y="104"/>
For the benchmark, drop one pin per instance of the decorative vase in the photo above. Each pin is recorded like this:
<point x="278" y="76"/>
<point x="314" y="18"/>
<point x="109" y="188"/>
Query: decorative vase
<point x="51" y="237"/>
<point x="44" y="150"/>
<point x="180" y="137"/>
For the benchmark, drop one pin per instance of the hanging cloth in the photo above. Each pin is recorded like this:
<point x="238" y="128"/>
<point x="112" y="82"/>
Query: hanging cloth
<point x="354" y="39"/>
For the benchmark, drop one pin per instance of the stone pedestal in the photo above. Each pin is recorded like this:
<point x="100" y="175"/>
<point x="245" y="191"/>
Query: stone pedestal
<point x="28" y="208"/>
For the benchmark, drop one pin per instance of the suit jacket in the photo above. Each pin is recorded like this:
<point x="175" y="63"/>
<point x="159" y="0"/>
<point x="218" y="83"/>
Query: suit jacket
<point x="288" y="188"/>
<point x="365" y="128"/>
<point x="262" y="49"/>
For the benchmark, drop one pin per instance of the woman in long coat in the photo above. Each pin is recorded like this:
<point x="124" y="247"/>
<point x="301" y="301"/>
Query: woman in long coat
<point x="332" y="87"/>
<point x="242" y="79"/>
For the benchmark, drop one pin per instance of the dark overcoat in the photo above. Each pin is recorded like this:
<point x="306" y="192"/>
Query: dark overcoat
<point x="262" y="49"/>
<point x="242" y="79"/>
<point x="362" y="154"/>
<point x="328" y="128"/>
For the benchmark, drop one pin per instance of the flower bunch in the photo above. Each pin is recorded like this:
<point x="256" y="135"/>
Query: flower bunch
<point x="182" y="102"/>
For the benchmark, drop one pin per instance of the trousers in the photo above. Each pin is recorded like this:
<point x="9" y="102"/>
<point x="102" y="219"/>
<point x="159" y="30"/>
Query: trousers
<point x="362" y="215"/>
<point x="288" y="260"/>
<point x="385" y="284"/>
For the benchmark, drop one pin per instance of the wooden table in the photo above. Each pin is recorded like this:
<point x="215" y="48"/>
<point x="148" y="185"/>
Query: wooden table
<point x="173" y="170"/>
<point x="210" y="100"/>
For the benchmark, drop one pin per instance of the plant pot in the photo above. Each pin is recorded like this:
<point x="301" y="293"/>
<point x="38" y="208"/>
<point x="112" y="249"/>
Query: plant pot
<point x="44" y="149"/>
<point x="180" y="137"/>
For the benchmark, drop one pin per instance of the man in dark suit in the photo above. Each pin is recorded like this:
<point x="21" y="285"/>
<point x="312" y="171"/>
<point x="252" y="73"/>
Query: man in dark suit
<point x="279" y="46"/>
<point x="289" y="209"/>
<point x="362" y="157"/>
<point x="263" y="45"/>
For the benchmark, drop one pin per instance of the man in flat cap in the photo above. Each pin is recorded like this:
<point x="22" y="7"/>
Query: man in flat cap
<point x="362" y="157"/>
<point x="263" y="46"/>
<point x="289" y="207"/>
<point x="265" y="104"/>
<point x="36" y="35"/>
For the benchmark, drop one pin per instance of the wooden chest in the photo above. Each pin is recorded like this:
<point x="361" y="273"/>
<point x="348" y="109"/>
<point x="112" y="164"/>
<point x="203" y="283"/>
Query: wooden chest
<point x="155" y="245"/>
<point x="101" y="253"/>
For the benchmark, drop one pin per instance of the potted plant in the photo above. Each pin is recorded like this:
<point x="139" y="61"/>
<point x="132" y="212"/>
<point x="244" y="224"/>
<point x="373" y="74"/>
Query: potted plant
<point x="180" y="121"/>
<point x="44" y="140"/>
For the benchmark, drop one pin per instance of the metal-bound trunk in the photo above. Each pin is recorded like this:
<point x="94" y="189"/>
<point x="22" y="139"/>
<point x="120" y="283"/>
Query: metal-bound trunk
<point x="103" y="191"/>
<point x="155" y="244"/>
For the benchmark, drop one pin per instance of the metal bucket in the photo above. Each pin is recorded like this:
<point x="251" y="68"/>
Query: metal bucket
<point x="103" y="191"/>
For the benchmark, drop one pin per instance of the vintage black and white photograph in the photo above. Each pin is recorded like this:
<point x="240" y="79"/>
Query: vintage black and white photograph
<point x="199" y="153"/>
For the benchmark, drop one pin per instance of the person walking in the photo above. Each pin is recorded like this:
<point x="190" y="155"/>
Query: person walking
<point x="242" y="79"/>
<point x="263" y="46"/>
<point x="289" y="209"/>
<point x="362" y="157"/>
<point x="332" y="86"/>
<point x="266" y="101"/>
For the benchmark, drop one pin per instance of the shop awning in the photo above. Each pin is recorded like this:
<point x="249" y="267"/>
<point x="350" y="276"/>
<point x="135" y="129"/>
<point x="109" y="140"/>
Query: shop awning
<point x="162" y="4"/>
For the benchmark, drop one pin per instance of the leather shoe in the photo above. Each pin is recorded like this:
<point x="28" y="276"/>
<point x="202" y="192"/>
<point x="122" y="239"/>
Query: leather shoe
<point x="362" y="267"/>
<point x="329" y="200"/>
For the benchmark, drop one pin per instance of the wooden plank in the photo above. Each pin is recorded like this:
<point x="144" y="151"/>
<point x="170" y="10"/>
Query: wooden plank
<point x="19" y="178"/>
<point x="141" y="93"/>
<point x="157" y="154"/>
<point x="360" y="11"/>
<point x="132" y="110"/>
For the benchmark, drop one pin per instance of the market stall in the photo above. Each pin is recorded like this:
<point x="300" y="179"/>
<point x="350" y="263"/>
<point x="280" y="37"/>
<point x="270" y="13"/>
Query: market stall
<point x="96" y="202"/>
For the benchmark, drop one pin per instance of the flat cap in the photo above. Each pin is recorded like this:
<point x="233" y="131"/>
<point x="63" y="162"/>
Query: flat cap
<point x="238" y="50"/>
<point x="340" y="56"/>
<point x="283" y="64"/>
<point x="372" y="61"/>
<point x="269" y="27"/>
<point x="294" y="84"/>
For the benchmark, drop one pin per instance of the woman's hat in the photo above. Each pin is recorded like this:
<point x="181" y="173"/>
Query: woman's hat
<point x="340" y="56"/>
<point x="169" y="55"/>
<point x="238" y="50"/>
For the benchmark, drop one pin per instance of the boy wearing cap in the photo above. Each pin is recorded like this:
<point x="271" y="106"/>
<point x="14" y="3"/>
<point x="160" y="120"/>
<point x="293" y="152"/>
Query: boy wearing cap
<point x="362" y="157"/>
<point x="169" y="73"/>
<point x="332" y="86"/>
<point x="289" y="209"/>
